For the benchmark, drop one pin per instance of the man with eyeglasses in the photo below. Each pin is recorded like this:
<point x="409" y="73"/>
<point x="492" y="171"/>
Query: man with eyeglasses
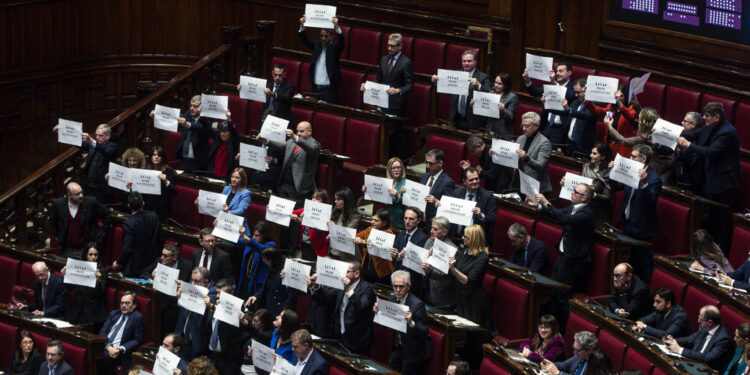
<point x="124" y="330"/>
<point x="397" y="71"/>
<point x="584" y="343"/>
<point x="483" y="213"/>
<point x="437" y="180"/>
<point x="192" y="148"/>
<point x="528" y="251"/>
<point x="630" y="296"/>
<point x="50" y="293"/>
<point x="279" y="95"/>
<point x="55" y="364"/>
<point x="191" y="325"/>
<point x="461" y="113"/>
<point x="559" y="76"/>
<point x="534" y="153"/>
<point x="581" y="126"/>
<point x="325" y="73"/>
<point x="496" y="177"/>
<point x="442" y="288"/>
<point x="668" y="318"/>
<point x="711" y="343"/>
<point x="209" y="256"/>
<point x="170" y="257"/>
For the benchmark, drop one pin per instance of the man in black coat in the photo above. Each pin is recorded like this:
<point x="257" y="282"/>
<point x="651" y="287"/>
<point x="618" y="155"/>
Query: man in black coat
<point x="413" y="217"/>
<point x="55" y="364"/>
<point x="49" y="293"/>
<point x="216" y="260"/>
<point x="279" y="95"/>
<point x="99" y="152"/>
<point x="496" y="177"/>
<point x="309" y="359"/>
<point x="142" y="238"/>
<point x="74" y="221"/>
<point x="560" y="76"/>
<point x="581" y="126"/>
<point x="631" y="297"/>
<point x="124" y="330"/>
<point x="192" y="148"/>
<point x="437" y="180"/>
<point x="711" y="343"/>
<point x="225" y="340"/>
<point x="529" y="252"/>
<point x="668" y="319"/>
<point x="397" y="71"/>
<point x="484" y="212"/>
<point x="325" y="73"/>
<point x="461" y="113"/>
<point x="170" y="257"/>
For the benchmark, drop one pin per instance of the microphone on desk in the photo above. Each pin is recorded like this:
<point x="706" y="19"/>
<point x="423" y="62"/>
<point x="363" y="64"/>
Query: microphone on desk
<point x="612" y="228"/>
<point x="184" y="227"/>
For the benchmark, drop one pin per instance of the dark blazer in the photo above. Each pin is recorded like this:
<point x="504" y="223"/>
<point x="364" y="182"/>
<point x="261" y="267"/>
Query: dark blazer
<point x="282" y="100"/>
<point x="401" y="77"/>
<point x="718" y="352"/>
<point x="316" y="365"/>
<point x="230" y="339"/>
<point x="333" y="54"/>
<point x="63" y="368"/>
<point x="233" y="147"/>
<point x="443" y="185"/>
<point x="486" y="202"/>
<point x="578" y="231"/>
<point x="183" y="265"/>
<point x="221" y="264"/>
<point x="741" y="276"/>
<point x="496" y="177"/>
<point x="109" y="153"/>
<point x="197" y="135"/>
<point x="142" y="242"/>
<point x="556" y="133"/>
<point x="274" y="296"/>
<point x="719" y="146"/>
<point x="584" y="129"/>
<point x="56" y="297"/>
<point x="570" y="94"/>
<point x="535" y="257"/>
<point x="30" y="367"/>
<point x="636" y="300"/>
<point x="415" y="343"/>
<point x="132" y="334"/>
<point x="676" y="324"/>
<point x="418" y="284"/>
<point x="568" y="366"/>
<point x="319" y="319"/>
<point x="473" y="122"/>
<point x="642" y="222"/>
<point x="91" y="212"/>
<point x="304" y="163"/>
<point x="88" y="304"/>
<point x="358" y="315"/>
<point x="190" y="325"/>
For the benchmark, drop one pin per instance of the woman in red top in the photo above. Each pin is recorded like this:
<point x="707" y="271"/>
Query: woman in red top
<point x="625" y="117"/>
<point x="312" y="242"/>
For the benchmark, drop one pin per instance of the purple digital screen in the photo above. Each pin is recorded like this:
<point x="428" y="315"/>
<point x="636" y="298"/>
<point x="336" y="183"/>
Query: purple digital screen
<point x="730" y="5"/>
<point x="648" y="6"/>
<point x="724" y="19"/>
<point x="682" y="8"/>
<point x="682" y="18"/>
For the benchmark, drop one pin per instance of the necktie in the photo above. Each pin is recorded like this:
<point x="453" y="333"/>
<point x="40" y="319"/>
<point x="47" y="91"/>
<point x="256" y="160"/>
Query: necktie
<point x="581" y="367"/>
<point x="205" y="260"/>
<point x="471" y="197"/>
<point x="185" y="330"/>
<point x="408" y="236"/>
<point x="706" y="339"/>
<point x="462" y="105"/>
<point x="390" y="65"/>
<point x="295" y="150"/>
<point x="272" y="104"/>
<point x="344" y="303"/>
<point x="571" y="133"/>
<point x="113" y="333"/>
<point x="44" y="297"/>
<point x="432" y="179"/>
<point x="627" y="206"/>
<point x="552" y="118"/>
<point x="52" y="371"/>
<point x="215" y="335"/>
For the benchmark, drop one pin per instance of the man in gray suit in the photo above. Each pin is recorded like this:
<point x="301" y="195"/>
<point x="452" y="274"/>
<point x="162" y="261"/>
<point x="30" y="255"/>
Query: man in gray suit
<point x="534" y="152"/>
<point x="297" y="177"/>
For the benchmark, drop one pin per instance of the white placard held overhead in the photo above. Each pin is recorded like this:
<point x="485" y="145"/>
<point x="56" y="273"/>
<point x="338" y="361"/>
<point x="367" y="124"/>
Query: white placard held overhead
<point x="553" y="97"/>
<point x="253" y="157"/>
<point x="210" y="203"/>
<point x="319" y="16"/>
<point x="504" y="153"/>
<point x="228" y="226"/>
<point x="228" y="309"/>
<point x="377" y="189"/>
<point x="295" y="275"/>
<point x="454" y="82"/>
<point x="571" y="181"/>
<point x="485" y="104"/>
<point x="191" y="297"/>
<point x="252" y="88"/>
<point x="165" y="279"/>
<point x="283" y="367"/>
<point x="279" y="210"/>
<point x="414" y="195"/>
<point x="341" y="238"/>
<point x="626" y="171"/>
<point x="456" y="210"/>
<point x="69" y="132"/>
<point x="165" y="362"/>
<point x="375" y="94"/>
<point x="529" y="186"/>
<point x="441" y="254"/>
<point x="146" y="181"/>
<point x="330" y="272"/>
<point x="263" y="357"/>
<point x="317" y="215"/>
<point x="538" y="67"/>
<point x="380" y="244"/>
<point x="414" y="256"/>
<point x="637" y="84"/>
<point x="601" y="89"/>
<point x="274" y="129"/>
<point x="78" y="272"/>
<point x="666" y="133"/>
<point x="391" y="315"/>
<point x="165" y="118"/>
<point x="214" y="106"/>
<point x="119" y="176"/>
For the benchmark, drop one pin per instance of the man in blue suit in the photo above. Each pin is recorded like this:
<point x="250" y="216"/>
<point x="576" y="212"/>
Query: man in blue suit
<point x="638" y="211"/>
<point x="668" y="319"/>
<point x="581" y="126"/>
<point x="189" y="324"/>
<point x="711" y="343"/>
<point x="142" y="238"/>
<point x="437" y="180"/>
<point x="584" y="343"/>
<point x="484" y="212"/>
<point x="560" y="76"/>
<point x="308" y="359"/>
<point x="529" y="252"/>
<point x="49" y="292"/>
<point x="413" y="217"/>
<point x="55" y="364"/>
<point x="192" y="147"/>
<point x="124" y="330"/>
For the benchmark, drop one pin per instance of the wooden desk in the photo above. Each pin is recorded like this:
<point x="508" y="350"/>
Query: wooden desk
<point x="501" y="357"/>
<point x="145" y="357"/>
<point x="336" y="355"/>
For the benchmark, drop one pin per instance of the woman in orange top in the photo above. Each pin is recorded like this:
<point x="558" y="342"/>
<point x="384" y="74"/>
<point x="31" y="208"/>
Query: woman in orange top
<point x="375" y="269"/>
<point x="625" y="117"/>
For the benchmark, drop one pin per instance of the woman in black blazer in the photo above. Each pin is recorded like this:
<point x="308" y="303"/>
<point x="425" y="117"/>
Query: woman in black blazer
<point x="161" y="204"/>
<point x="88" y="307"/>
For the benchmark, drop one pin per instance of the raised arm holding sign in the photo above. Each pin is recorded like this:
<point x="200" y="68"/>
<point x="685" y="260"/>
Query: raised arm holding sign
<point x="330" y="272"/>
<point x="666" y="133"/>
<point x="69" y="132"/>
<point x="571" y="181"/>
<point x="456" y="210"/>
<point x="454" y="82"/>
<point x="317" y="215"/>
<point x="253" y="157"/>
<point x="165" y="279"/>
<point x="485" y="104"/>
<point x="441" y="254"/>
<point x="391" y="315"/>
<point x="214" y="106"/>
<point x="341" y="238"/>
<point x="414" y="194"/>
<point x="165" y="118"/>
<point x="601" y="89"/>
<point x="504" y="153"/>
<point x="376" y="94"/>
<point x="539" y="67"/>
<point x="274" y="129"/>
<point x="78" y="272"/>
<point x="295" y="275"/>
<point x="553" y="97"/>
<point x="626" y="171"/>
<point x="377" y="189"/>
<point x="319" y="16"/>
<point x="252" y="88"/>
<point x="227" y="226"/>
<point x="210" y="203"/>
<point x="279" y="210"/>
<point x="380" y="244"/>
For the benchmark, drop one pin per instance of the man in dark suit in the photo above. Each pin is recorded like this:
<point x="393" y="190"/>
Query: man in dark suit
<point x="49" y="293"/>
<point x="554" y="126"/>
<point x="216" y="260"/>
<point x="309" y="359"/>
<point x="711" y="343"/>
<point x="170" y="257"/>
<point x="688" y="167"/>
<point x="279" y="95"/>
<point x="353" y="312"/>
<point x="74" y="221"/>
<point x="189" y="324"/>
<point x="397" y="71"/>
<point x="437" y="180"/>
<point x="529" y="252"/>
<point x="301" y="152"/>
<point x="461" y="113"/>
<point x="55" y="364"/>
<point x="325" y="73"/>
<point x="581" y="126"/>
<point x="496" y="177"/>
<point x="100" y="151"/>
<point x="192" y="148"/>
<point x="668" y="319"/>
<point x="124" y="330"/>
<point x="560" y="76"/>
<point x="630" y="296"/>
<point x="142" y="238"/>
<point x="638" y="211"/>
<point x="413" y="217"/>
<point x="174" y="342"/>
<point x="441" y="289"/>
<point x="484" y="212"/>
<point x="225" y="340"/>
<point x="584" y="343"/>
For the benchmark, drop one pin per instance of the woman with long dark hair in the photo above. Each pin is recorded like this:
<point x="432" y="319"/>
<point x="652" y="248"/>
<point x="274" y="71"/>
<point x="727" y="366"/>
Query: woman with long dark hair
<point x="598" y="169"/>
<point x="26" y="360"/>
<point x="503" y="127"/>
<point x="375" y="269"/>
<point x="738" y="364"/>
<point x="88" y="307"/>
<point x="273" y="295"/>
<point x="707" y="255"/>
<point x="547" y="343"/>
<point x="161" y="204"/>
<point x="281" y="340"/>
<point x="345" y="214"/>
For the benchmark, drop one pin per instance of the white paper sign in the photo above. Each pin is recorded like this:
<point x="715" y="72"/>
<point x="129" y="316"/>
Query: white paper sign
<point x="414" y="195"/>
<point x="191" y="297"/>
<point x="69" y="132"/>
<point x="283" y="367"/>
<point x="279" y="210"/>
<point x="454" y="82"/>
<point x="165" y="362"/>
<point x="252" y="88"/>
<point x="228" y="309"/>
<point x="441" y="253"/>
<point x="165" y="118"/>
<point x="119" y="177"/>
<point x="295" y="275"/>
<point x="274" y="129"/>
<point x="78" y="272"/>
<point x="538" y="67"/>
<point x="210" y="203"/>
<point x="553" y="97"/>
<point x="330" y="272"/>
<point x="253" y="157"/>
<point x="263" y="357"/>
<point x="391" y="315"/>
<point x="601" y="89"/>
<point x="456" y="210"/>
<point x="571" y="181"/>
<point x="666" y="133"/>
<point x="380" y="244"/>
<point x="485" y="104"/>
<point x="341" y="238"/>
<point x="214" y="106"/>
<point x="529" y="186"/>
<point x="228" y="226"/>
<point x="317" y="215"/>
<point x="504" y="153"/>
<point x="319" y="16"/>
<point x="377" y="189"/>
<point x="626" y="171"/>
<point x="165" y="279"/>
<point x="637" y="84"/>
<point x="146" y="181"/>
<point x="375" y="94"/>
<point x="414" y="256"/>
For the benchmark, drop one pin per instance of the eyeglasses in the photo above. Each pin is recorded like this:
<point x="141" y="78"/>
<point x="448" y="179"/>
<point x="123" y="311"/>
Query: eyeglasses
<point x="429" y="163"/>
<point x="576" y="192"/>
<point x="396" y="286"/>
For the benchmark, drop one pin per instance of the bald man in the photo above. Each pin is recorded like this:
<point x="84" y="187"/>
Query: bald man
<point x="631" y="297"/>
<point x="301" y="152"/>
<point x="49" y="293"/>
<point x="711" y="343"/>
<point x="74" y="221"/>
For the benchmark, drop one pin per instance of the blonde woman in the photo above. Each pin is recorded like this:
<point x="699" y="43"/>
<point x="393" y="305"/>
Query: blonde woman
<point x="468" y="267"/>
<point x="395" y="170"/>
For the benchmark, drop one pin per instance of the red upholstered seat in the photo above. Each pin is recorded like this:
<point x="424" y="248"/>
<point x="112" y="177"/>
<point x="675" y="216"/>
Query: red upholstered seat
<point x="740" y="246"/>
<point x="623" y="79"/>
<point x="114" y="245"/>
<point x="331" y="131"/>
<point x="40" y="341"/>
<point x="613" y="347"/>
<point x="110" y="299"/>
<point x="255" y="212"/>
<point x="345" y="31"/>
<point x="661" y="279"/>
<point x="428" y="55"/>
<point x="657" y="371"/>
<point x="454" y="152"/>
<point x="742" y="123"/>
<point x="678" y="102"/>
<point x="435" y="363"/>
<point x="363" y="154"/>
<point x="407" y="45"/>
<point x="673" y="222"/>
<point x="186" y="251"/>
<point x="7" y="344"/>
<point x="511" y="323"/>
<point x="240" y="109"/>
<point x="453" y="54"/>
<point x="299" y="115"/>
<point x="600" y="273"/>
<point x="523" y="108"/>
<point x="418" y="110"/>
<point x="303" y="302"/>
<point x="550" y="235"/>
<point x="381" y="348"/>
<point x="255" y="112"/>
<point x="694" y="300"/>
<point x="293" y="69"/>
<point x="581" y="72"/>
<point x="489" y="284"/>
<point x="361" y="42"/>
<point x="305" y="88"/>
<point x="336" y="371"/>
<point x="349" y="94"/>
<point x="185" y="211"/>
<point x="743" y="199"/>
<point x="170" y="147"/>
<point x="576" y="323"/>
<point x="9" y="270"/>
<point x="321" y="176"/>
<point x="76" y="357"/>
<point x="26" y="276"/>
<point x="556" y="173"/>
<point x="636" y="360"/>
<point x="653" y="96"/>
<point x="504" y="220"/>
<point x="489" y="367"/>
<point x="444" y="106"/>
<point x="729" y="105"/>
<point x="731" y="318"/>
